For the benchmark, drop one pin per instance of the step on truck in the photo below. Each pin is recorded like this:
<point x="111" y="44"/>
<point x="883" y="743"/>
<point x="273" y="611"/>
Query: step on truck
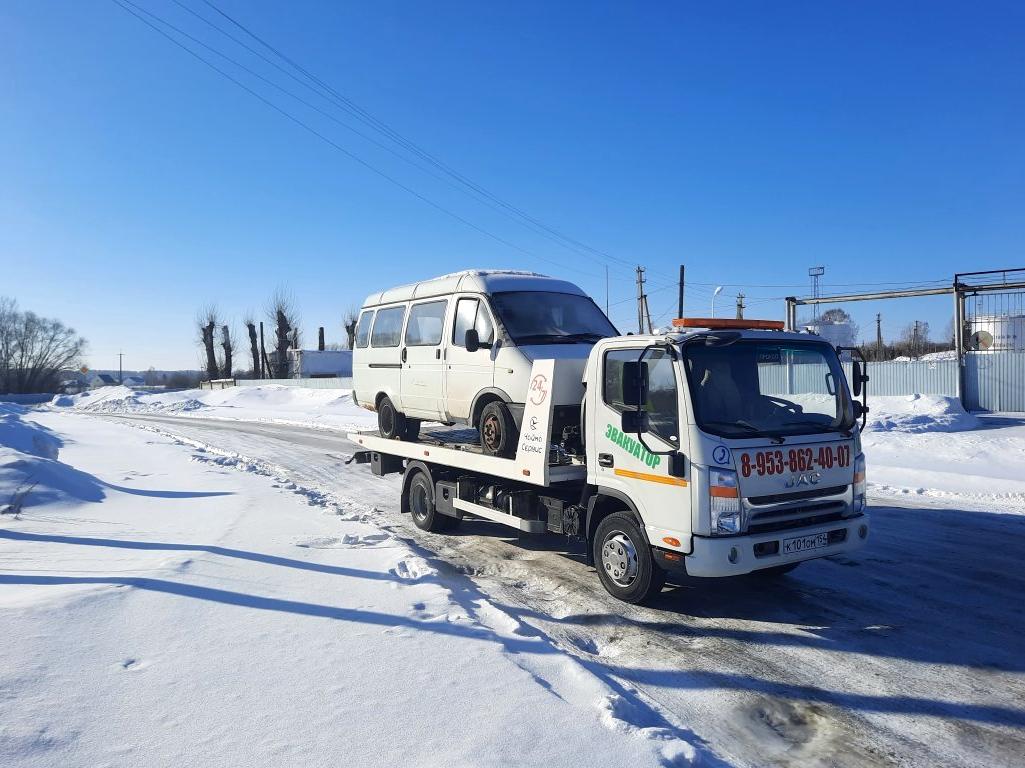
<point x="720" y="449"/>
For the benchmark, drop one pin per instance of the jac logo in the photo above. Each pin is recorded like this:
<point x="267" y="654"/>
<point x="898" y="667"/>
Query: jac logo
<point x="539" y="389"/>
<point x="804" y="478"/>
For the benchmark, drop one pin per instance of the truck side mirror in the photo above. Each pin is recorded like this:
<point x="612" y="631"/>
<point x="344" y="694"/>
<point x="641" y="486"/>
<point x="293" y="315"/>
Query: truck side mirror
<point x="471" y="340"/>
<point x="859" y="377"/>
<point x="635" y="384"/>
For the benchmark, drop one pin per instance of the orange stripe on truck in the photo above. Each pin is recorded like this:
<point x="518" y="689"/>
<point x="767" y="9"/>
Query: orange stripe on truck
<point x="665" y="479"/>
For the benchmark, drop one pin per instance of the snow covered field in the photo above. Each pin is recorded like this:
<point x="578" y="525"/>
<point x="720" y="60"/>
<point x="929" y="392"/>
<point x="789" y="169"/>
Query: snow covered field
<point x="199" y="579"/>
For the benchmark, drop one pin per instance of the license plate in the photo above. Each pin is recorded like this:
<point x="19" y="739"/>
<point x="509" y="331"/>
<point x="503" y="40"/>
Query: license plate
<point x="805" y="543"/>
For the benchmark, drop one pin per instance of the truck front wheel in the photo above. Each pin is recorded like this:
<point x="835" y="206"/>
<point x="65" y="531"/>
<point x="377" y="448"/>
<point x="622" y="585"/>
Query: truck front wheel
<point x="624" y="561"/>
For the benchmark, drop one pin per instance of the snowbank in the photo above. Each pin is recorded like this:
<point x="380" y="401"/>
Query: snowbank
<point x="321" y="408"/>
<point x="919" y="413"/>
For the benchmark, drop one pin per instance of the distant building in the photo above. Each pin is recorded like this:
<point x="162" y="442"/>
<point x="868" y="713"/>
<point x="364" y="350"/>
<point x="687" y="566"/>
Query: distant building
<point x="97" y="380"/>
<point x="317" y="364"/>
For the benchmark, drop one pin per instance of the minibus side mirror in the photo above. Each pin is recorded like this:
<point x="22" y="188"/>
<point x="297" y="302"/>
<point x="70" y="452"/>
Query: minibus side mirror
<point x="472" y="340"/>
<point x="858" y="378"/>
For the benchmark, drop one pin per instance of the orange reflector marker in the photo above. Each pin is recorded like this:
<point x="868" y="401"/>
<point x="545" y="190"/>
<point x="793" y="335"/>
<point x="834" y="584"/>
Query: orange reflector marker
<point x="859" y="477"/>
<point x="728" y="324"/>
<point x="722" y="492"/>
<point x="672" y="555"/>
<point x="672" y="541"/>
<point x="526" y="472"/>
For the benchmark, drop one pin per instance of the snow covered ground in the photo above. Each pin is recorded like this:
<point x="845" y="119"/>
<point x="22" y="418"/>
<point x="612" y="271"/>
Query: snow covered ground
<point x="161" y="607"/>
<point x="275" y="404"/>
<point x="302" y="599"/>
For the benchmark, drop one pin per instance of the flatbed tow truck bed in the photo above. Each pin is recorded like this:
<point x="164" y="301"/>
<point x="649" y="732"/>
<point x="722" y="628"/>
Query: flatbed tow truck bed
<point x="433" y="449"/>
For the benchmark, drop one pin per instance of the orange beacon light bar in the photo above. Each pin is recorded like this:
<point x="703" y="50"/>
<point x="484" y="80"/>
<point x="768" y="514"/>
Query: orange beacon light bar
<point x="728" y="324"/>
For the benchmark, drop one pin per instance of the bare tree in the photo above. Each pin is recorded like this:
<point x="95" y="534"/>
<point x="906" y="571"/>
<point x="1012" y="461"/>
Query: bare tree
<point x="349" y="320"/>
<point x="254" y="345"/>
<point x="34" y="350"/>
<point x="915" y="337"/>
<point x="228" y="345"/>
<point x="285" y="317"/>
<point x="207" y="322"/>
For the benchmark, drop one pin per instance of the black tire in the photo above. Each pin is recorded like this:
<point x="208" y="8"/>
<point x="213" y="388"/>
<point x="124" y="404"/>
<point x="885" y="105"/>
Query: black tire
<point x="623" y="559"/>
<point x="498" y="433"/>
<point x="420" y="498"/>
<point x="776" y="571"/>
<point x="412" y="431"/>
<point x="391" y="423"/>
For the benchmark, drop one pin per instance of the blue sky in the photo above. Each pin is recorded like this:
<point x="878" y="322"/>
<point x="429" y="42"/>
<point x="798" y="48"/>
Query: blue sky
<point x="746" y="140"/>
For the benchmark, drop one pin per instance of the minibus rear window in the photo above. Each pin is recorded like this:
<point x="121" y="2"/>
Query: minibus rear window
<point x="363" y="329"/>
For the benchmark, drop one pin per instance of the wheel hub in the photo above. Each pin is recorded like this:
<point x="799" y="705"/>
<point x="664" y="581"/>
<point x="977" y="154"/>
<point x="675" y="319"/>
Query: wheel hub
<point x="492" y="431"/>
<point x="619" y="558"/>
<point x="418" y="502"/>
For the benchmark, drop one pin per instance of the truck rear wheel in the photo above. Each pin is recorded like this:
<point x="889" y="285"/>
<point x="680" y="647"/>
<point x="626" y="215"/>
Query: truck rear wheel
<point x="498" y="433"/>
<point x="391" y="423"/>
<point x="420" y="496"/>
<point x="626" y="567"/>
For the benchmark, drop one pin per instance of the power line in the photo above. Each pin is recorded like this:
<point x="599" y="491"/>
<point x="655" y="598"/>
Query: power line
<point x="124" y="5"/>
<point x="327" y="91"/>
<point x="337" y="100"/>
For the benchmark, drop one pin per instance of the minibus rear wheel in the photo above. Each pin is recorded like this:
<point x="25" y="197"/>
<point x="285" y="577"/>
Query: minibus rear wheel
<point x="391" y="423"/>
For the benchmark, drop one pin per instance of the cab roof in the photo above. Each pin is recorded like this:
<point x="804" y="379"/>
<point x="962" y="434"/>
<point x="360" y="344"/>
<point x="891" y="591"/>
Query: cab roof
<point x="473" y="281"/>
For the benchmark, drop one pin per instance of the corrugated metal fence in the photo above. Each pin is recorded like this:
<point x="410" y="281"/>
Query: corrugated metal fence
<point x="995" y="381"/>
<point x="345" y="383"/>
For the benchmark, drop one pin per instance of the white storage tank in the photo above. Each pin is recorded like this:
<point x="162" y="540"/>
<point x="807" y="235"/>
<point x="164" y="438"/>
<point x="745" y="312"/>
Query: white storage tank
<point x="997" y="333"/>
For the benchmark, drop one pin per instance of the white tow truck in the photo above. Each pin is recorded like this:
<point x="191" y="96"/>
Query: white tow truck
<point x="723" y="448"/>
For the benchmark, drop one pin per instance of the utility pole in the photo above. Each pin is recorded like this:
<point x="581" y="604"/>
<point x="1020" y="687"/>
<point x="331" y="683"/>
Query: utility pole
<point x="914" y="341"/>
<point x="879" y="336"/>
<point x="640" y="299"/>
<point x="120" y="368"/>
<point x="740" y="306"/>
<point x="679" y="304"/>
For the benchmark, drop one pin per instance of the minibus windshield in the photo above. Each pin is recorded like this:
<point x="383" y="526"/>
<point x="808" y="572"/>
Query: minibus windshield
<point x="778" y="388"/>
<point x="541" y="317"/>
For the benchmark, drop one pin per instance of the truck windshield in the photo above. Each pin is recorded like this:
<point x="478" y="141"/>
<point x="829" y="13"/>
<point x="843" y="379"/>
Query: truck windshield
<point x="764" y="387"/>
<point x="540" y="317"/>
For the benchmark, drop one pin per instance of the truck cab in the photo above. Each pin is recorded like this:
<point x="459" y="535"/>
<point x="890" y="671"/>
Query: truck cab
<point x="734" y="449"/>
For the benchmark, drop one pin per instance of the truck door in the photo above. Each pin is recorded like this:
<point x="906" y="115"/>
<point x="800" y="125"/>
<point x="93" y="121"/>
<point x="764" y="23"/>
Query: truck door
<point x="422" y="380"/>
<point x="623" y="464"/>
<point x="467" y="373"/>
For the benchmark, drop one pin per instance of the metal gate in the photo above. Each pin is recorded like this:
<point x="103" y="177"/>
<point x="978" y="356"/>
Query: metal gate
<point x="992" y="309"/>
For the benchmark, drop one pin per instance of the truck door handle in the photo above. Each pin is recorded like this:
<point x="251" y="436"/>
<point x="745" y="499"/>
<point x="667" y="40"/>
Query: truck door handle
<point x="437" y="354"/>
<point x="403" y="354"/>
<point x="605" y="460"/>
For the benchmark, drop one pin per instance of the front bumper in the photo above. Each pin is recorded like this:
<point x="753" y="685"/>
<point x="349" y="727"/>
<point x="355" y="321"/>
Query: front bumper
<point x="736" y="555"/>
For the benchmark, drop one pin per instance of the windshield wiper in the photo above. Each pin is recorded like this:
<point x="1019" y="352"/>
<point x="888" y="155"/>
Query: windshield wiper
<point x="544" y="338"/>
<point x="750" y="428"/>
<point x="585" y="336"/>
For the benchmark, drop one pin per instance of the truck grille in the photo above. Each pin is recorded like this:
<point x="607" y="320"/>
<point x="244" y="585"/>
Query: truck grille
<point x="781" y="498"/>
<point x="795" y="517"/>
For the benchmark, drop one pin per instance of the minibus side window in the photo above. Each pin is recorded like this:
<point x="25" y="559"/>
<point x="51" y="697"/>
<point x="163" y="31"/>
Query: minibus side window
<point x="388" y="327"/>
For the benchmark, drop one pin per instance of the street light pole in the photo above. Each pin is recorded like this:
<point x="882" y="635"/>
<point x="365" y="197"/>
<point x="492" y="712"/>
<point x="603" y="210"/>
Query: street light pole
<point x="715" y="293"/>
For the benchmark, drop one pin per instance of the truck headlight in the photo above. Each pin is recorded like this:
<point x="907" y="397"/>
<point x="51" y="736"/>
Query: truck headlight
<point x="859" y="483"/>
<point x="724" y="502"/>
